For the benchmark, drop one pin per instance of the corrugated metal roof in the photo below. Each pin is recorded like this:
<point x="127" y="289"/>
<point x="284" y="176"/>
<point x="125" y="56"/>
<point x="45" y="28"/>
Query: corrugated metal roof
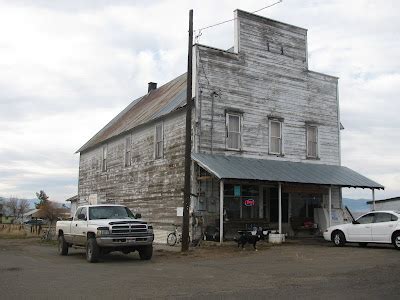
<point x="155" y="104"/>
<point x="73" y="198"/>
<point x="233" y="167"/>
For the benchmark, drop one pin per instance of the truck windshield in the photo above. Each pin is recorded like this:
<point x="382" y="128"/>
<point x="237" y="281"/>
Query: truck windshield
<point x="110" y="212"/>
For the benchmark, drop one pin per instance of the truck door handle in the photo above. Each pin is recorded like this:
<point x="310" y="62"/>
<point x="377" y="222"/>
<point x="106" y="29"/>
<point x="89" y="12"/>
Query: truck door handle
<point x="367" y="227"/>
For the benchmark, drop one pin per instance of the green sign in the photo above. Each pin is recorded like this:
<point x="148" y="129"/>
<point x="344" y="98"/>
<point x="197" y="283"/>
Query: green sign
<point x="236" y="190"/>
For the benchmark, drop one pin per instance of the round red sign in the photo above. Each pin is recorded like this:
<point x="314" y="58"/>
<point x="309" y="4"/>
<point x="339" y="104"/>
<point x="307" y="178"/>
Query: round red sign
<point x="249" y="202"/>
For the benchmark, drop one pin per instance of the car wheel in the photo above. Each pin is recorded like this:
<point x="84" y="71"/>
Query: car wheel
<point x="92" y="250"/>
<point x="338" y="238"/>
<point x="396" y="240"/>
<point x="363" y="244"/>
<point x="62" y="246"/>
<point x="171" y="239"/>
<point x="146" y="252"/>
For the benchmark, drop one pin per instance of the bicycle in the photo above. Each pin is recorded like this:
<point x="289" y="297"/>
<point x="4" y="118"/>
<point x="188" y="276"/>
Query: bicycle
<point x="175" y="237"/>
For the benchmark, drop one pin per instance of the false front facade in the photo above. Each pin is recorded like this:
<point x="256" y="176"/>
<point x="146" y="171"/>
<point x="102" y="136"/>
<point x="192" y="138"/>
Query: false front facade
<point x="265" y="141"/>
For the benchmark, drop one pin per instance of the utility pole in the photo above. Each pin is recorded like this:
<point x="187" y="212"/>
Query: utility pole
<point x="188" y="141"/>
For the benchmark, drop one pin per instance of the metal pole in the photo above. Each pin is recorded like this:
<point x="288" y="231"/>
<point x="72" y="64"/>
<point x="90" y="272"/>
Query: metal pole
<point x="221" y="211"/>
<point x="188" y="140"/>
<point x="330" y="206"/>
<point x="373" y="199"/>
<point x="280" y="206"/>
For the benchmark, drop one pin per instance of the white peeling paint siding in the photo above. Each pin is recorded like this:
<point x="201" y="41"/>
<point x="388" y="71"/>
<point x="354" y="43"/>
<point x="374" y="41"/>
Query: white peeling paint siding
<point x="150" y="187"/>
<point x="262" y="83"/>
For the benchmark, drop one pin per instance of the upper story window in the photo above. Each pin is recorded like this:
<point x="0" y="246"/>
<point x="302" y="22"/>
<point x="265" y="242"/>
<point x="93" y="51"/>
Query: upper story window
<point x="104" y="159"/>
<point x="128" y="148"/>
<point x="159" y="141"/>
<point x="275" y="137"/>
<point x="312" y="141"/>
<point x="233" y="131"/>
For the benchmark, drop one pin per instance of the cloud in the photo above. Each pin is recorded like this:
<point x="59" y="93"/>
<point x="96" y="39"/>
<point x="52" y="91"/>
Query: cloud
<point x="68" y="67"/>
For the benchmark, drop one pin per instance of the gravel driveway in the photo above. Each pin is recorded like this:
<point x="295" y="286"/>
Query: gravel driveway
<point x="311" y="270"/>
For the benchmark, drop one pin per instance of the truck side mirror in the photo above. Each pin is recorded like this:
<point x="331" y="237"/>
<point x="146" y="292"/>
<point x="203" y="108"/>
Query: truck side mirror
<point x="81" y="217"/>
<point x="138" y="216"/>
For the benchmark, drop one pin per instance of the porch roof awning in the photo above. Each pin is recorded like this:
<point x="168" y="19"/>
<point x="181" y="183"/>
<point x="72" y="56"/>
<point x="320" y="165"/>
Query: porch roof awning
<point x="233" y="167"/>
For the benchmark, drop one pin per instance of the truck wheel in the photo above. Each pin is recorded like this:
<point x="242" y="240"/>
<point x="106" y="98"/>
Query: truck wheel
<point x="171" y="239"/>
<point x="146" y="252"/>
<point x="92" y="250"/>
<point x="62" y="246"/>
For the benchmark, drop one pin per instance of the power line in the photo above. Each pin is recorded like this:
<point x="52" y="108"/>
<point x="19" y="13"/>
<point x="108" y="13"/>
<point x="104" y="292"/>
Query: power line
<point x="230" y="20"/>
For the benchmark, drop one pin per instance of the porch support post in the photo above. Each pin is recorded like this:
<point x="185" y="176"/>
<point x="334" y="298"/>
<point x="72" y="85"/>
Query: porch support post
<point x="280" y="206"/>
<point x="373" y="199"/>
<point x="221" y="211"/>
<point x="330" y="206"/>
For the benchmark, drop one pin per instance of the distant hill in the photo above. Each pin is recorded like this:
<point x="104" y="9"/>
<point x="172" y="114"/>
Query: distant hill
<point x="357" y="205"/>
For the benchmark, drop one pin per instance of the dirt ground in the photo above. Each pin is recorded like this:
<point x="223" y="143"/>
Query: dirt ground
<point x="297" y="269"/>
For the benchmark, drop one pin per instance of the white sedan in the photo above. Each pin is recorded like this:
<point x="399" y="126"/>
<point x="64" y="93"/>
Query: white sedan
<point x="374" y="227"/>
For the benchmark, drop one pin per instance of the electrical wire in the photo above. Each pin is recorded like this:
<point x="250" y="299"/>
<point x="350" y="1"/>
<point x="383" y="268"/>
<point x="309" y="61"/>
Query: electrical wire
<point x="230" y="20"/>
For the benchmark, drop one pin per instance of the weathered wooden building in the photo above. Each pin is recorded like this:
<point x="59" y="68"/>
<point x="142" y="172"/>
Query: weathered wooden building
<point x="265" y="139"/>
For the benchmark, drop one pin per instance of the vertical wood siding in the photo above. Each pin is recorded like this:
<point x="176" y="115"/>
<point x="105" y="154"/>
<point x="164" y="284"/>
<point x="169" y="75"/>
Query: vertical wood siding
<point x="262" y="84"/>
<point x="151" y="187"/>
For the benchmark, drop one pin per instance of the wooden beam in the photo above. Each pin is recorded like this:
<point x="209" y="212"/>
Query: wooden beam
<point x="330" y="207"/>
<point x="204" y="178"/>
<point x="280" y="206"/>
<point x="188" y="141"/>
<point x="373" y="199"/>
<point x="221" y="212"/>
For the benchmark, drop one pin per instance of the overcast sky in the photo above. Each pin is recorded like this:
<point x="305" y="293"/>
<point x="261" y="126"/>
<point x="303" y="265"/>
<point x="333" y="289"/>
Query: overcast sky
<point x="68" y="67"/>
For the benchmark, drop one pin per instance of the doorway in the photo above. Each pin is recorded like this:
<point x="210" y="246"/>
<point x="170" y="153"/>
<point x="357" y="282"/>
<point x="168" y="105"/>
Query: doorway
<point x="271" y="205"/>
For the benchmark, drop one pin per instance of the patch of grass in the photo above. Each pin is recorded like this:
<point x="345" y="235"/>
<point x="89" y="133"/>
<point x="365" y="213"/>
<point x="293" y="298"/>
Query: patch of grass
<point x="16" y="237"/>
<point x="48" y="242"/>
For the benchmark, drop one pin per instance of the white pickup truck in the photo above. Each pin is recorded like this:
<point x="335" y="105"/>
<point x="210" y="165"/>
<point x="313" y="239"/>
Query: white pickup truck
<point x="102" y="229"/>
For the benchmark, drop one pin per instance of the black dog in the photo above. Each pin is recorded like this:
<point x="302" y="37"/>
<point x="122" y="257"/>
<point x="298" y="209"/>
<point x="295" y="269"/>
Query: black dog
<point x="248" y="238"/>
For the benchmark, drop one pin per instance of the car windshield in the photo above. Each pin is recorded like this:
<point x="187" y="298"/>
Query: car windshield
<point x="110" y="212"/>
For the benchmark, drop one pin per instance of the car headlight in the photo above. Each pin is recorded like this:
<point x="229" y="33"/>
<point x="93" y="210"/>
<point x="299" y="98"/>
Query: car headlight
<point x="150" y="228"/>
<point x="103" y="231"/>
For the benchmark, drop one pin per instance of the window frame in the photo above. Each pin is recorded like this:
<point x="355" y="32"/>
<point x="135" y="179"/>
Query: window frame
<point x="77" y="212"/>
<point x="392" y="216"/>
<point x="280" y="137"/>
<point x="368" y="214"/>
<point x="227" y="137"/>
<point x="308" y="126"/>
<point x="128" y="151"/>
<point x="159" y="155"/>
<point x="104" y="155"/>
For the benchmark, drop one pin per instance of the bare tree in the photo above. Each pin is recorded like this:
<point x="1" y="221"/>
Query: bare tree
<point x="2" y="200"/>
<point x="51" y="212"/>
<point x="23" y="207"/>
<point x="12" y="206"/>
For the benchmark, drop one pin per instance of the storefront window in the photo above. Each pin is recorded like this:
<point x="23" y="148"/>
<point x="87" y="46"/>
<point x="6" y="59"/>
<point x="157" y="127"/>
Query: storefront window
<point x="241" y="201"/>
